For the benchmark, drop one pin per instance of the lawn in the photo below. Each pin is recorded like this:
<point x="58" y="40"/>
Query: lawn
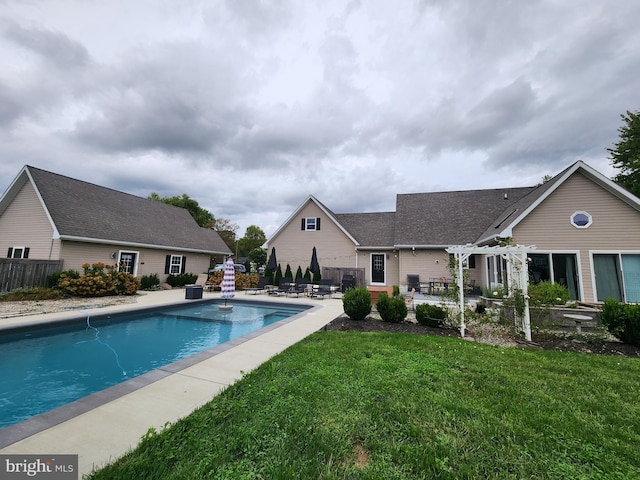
<point x="393" y="406"/>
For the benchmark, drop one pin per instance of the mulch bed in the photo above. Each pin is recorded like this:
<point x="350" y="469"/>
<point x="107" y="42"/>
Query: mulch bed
<point x="546" y="340"/>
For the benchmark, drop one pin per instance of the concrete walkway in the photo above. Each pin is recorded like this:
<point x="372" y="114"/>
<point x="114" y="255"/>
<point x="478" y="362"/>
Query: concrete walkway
<point x="103" y="426"/>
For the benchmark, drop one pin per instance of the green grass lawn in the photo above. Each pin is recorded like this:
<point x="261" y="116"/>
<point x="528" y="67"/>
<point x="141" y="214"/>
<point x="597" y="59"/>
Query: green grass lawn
<point x="385" y="406"/>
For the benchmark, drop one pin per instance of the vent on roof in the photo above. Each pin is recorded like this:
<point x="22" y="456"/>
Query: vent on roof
<point x="506" y="196"/>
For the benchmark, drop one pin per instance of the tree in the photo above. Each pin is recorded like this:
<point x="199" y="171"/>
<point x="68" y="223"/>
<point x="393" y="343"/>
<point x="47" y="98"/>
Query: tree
<point x="227" y="232"/>
<point x="258" y="256"/>
<point x="200" y="215"/>
<point x="254" y="237"/>
<point x="626" y="153"/>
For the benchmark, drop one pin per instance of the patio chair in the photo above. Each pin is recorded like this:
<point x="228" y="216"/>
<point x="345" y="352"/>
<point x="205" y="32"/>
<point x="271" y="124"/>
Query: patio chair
<point x="413" y="281"/>
<point x="324" y="289"/>
<point x="283" y="287"/>
<point x="259" y="288"/>
<point x="300" y="288"/>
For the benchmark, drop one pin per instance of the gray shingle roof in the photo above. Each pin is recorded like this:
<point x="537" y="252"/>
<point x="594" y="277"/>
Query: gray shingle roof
<point x="369" y="229"/>
<point x="451" y="218"/>
<point x="84" y="210"/>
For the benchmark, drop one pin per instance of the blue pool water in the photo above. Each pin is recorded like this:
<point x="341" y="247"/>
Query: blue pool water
<point x="50" y="367"/>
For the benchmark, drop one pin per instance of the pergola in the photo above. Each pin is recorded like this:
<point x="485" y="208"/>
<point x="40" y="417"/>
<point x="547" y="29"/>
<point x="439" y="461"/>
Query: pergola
<point x="517" y="272"/>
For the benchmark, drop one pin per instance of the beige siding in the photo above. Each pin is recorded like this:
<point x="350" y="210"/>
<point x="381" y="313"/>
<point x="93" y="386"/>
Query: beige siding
<point x="294" y="246"/>
<point x="616" y="225"/>
<point x="25" y="223"/>
<point x="149" y="261"/>
<point x="430" y="264"/>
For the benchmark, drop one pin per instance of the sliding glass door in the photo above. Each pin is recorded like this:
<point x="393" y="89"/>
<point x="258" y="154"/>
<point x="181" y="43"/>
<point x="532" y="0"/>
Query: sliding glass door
<point x="617" y="277"/>
<point x="559" y="268"/>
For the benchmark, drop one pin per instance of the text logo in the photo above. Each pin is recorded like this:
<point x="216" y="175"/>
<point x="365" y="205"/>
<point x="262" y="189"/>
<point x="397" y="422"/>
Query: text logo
<point x="50" y="467"/>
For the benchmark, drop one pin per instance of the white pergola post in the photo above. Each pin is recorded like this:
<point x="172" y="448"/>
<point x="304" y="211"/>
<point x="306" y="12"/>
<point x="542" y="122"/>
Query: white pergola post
<point x="516" y="256"/>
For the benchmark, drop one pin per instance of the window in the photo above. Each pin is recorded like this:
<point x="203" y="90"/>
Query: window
<point x="175" y="264"/>
<point x="581" y="220"/>
<point x="310" y="223"/>
<point x="18" y="252"/>
<point x="617" y="277"/>
<point x="559" y="268"/>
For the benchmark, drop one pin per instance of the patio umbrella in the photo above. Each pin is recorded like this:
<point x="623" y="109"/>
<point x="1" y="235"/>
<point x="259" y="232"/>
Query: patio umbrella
<point x="228" y="287"/>
<point x="273" y="263"/>
<point x="315" y="266"/>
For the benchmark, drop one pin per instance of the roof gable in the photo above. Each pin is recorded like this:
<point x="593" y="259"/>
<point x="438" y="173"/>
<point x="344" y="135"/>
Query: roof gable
<point x="87" y="212"/>
<point x="332" y="216"/>
<point x="504" y="228"/>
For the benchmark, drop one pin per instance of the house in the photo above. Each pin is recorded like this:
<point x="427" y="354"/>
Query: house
<point x="585" y="229"/>
<point x="46" y="216"/>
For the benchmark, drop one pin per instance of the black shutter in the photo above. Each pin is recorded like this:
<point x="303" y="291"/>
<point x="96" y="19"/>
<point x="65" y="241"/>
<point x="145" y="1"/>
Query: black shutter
<point x="25" y="254"/>
<point x="167" y="263"/>
<point x="184" y="264"/>
<point x="318" y="223"/>
<point x="10" y="252"/>
<point x="302" y="224"/>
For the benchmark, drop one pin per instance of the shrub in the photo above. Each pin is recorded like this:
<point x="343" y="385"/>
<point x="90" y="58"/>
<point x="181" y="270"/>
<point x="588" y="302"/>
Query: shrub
<point x="430" y="315"/>
<point x="357" y="303"/>
<point x="96" y="282"/>
<point x="149" y="282"/>
<point x="396" y="290"/>
<point x="622" y="321"/>
<point x="548" y="293"/>
<point x="481" y="308"/>
<point x="31" y="294"/>
<point x="54" y="278"/>
<point x="392" y="309"/>
<point x="181" y="280"/>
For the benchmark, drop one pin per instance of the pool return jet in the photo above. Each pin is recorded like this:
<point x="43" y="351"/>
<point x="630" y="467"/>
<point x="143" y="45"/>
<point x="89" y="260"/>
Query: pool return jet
<point x="228" y="286"/>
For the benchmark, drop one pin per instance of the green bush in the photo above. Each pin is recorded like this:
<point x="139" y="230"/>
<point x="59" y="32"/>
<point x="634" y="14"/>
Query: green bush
<point x="548" y="293"/>
<point x="181" y="280"/>
<point x="622" y="320"/>
<point x="357" y="303"/>
<point x="149" y="282"/>
<point x="430" y="315"/>
<point x="392" y="309"/>
<point x="98" y="280"/>
<point x="54" y="278"/>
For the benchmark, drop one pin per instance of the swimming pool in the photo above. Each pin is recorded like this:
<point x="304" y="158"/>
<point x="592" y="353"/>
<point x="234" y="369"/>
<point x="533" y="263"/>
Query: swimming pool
<point x="45" y="368"/>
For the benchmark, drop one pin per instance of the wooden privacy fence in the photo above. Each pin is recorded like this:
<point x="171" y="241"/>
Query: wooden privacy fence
<point x="16" y="273"/>
<point x="337" y="273"/>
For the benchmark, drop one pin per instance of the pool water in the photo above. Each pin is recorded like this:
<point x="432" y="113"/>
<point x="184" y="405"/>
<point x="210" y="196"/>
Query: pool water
<point x="50" y="367"/>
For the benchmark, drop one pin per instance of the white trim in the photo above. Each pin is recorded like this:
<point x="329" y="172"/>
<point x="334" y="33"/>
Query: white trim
<point x="135" y="263"/>
<point x="593" y="272"/>
<point x="581" y="212"/>
<point x="139" y="245"/>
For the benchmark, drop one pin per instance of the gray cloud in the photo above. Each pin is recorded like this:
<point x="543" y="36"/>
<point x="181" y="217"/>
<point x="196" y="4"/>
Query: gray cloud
<point x="350" y="102"/>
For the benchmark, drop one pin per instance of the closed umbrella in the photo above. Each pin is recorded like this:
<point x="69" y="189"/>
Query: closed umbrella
<point x="228" y="286"/>
<point x="273" y="263"/>
<point x="315" y="266"/>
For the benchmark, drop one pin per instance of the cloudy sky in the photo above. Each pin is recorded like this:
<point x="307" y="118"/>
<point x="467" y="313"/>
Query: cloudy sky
<point x="249" y="106"/>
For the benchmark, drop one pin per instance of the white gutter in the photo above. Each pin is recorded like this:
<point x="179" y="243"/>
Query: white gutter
<point x="141" y="245"/>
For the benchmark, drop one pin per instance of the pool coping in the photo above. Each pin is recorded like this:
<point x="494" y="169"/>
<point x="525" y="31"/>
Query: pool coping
<point x="12" y="434"/>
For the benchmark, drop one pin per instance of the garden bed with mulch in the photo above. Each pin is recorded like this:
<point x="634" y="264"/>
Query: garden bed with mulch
<point x="601" y="344"/>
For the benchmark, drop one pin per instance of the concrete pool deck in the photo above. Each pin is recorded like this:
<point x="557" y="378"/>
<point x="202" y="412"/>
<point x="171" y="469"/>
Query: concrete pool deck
<point x="104" y="426"/>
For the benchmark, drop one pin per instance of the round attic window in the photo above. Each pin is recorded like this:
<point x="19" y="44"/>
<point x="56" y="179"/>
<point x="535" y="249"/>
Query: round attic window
<point x="581" y="220"/>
